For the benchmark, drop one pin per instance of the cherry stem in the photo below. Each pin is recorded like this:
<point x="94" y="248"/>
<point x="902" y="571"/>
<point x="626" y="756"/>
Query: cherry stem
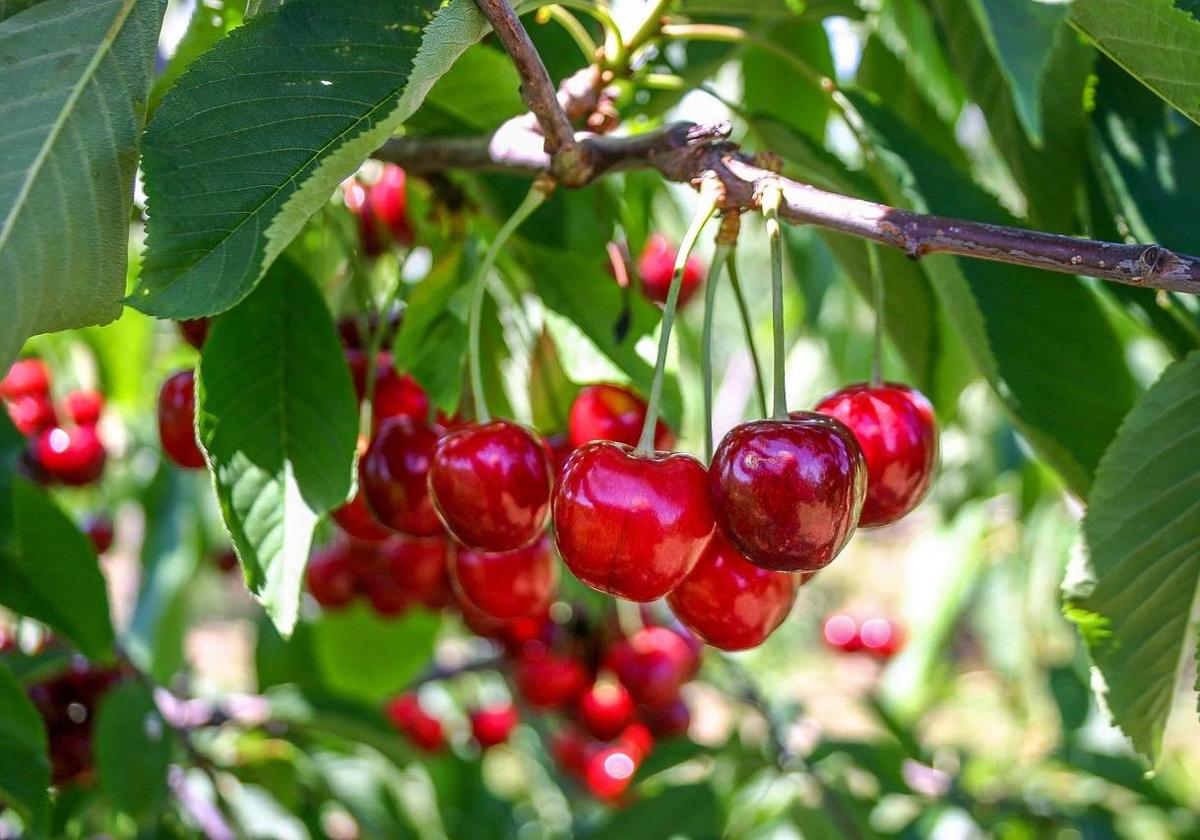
<point x="537" y="194"/>
<point x="878" y="302"/>
<point x="760" y="384"/>
<point x="720" y="259"/>
<point x="771" y="198"/>
<point x="709" y="197"/>
<point x="629" y="617"/>
<point x="375" y="343"/>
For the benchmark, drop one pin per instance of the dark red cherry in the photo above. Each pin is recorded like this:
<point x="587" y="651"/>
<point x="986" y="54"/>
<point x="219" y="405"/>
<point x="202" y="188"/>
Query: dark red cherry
<point x="605" y="709"/>
<point x="75" y="456"/>
<point x="656" y="265"/>
<point x="84" y="407"/>
<point x="394" y="476"/>
<point x="491" y="485"/>
<point x="226" y="560"/>
<point x="896" y="429"/>
<point x="508" y="584"/>
<point x="26" y="378"/>
<point x="194" y="331"/>
<point x="881" y="637"/>
<point x="788" y="493"/>
<point x="728" y="601"/>
<point x="840" y="632"/>
<point x="570" y="750"/>
<point x="396" y="394"/>
<point x="356" y="330"/>
<point x="547" y="679"/>
<point x="420" y="567"/>
<point x="629" y="524"/>
<point x="559" y="449"/>
<point x="382" y="210"/>
<point x="610" y="772"/>
<point x="356" y="519"/>
<point x="612" y="412"/>
<point x="330" y="576"/>
<point x="177" y="420"/>
<point x="32" y="413"/>
<point x="653" y="664"/>
<point x="493" y="724"/>
<point x="99" y="529"/>
<point x="669" y="720"/>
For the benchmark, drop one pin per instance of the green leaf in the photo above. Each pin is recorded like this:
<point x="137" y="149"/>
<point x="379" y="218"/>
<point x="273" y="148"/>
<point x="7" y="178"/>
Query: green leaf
<point x="73" y="85"/>
<point x="769" y="9"/>
<point x="207" y="26"/>
<point x="773" y="86"/>
<point x="906" y="28"/>
<point x="12" y="444"/>
<point x="364" y="656"/>
<point x="1154" y="40"/>
<point x="1139" y="582"/>
<point x="132" y="750"/>
<point x="682" y="811"/>
<point x="551" y="391"/>
<point x="480" y="91"/>
<point x="50" y="573"/>
<point x="260" y="130"/>
<point x="24" y="767"/>
<point x="277" y="417"/>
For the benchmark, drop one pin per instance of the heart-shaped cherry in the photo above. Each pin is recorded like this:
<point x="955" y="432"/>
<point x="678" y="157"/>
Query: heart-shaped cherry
<point x="177" y="420"/>
<point x="653" y="664"/>
<point x="656" y="265"/>
<point x="331" y="576"/>
<point x="73" y="455"/>
<point x="507" y="584"/>
<point x="492" y="725"/>
<point x="26" y="378"/>
<point x="491" y="484"/>
<point x="356" y="519"/>
<point x="728" y="601"/>
<point x="897" y="431"/>
<point x="631" y="524"/>
<point x="394" y="476"/>
<point x="612" y="412"/>
<point x="605" y="709"/>
<point x="547" y="679"/>
<point x="420" y="567"/>
<point x="788" y="493"/>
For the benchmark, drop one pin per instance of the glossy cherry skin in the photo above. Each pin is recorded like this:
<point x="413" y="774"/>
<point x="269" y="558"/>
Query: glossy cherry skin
<point x="420" y="567"/>
<point x="897" y="431"/>
<point x="728" y="601"/>
<point x="605" y="710"/>
<point x="84" y="407"/>
<point x="99" y="530"/>
<point x="195" y="331"/>
<point x="788" y="492"/>
<point x="610" y="772"/>
<point x="491" y="483"/>
<point x="26" y="378"/>
<point x="492" y="725"/>
<point x="75" y="456"/>
<point x="356" y="519"/>
<point x="330" y="576"/>
<point x="547" y="679"/>
<point x="395" y="395"/>
<point x="32" y="413"/>
<point x="612" y="412"/>
<point x="653" y="664"/>
<point x="507" y="584"/>
<point x="629" y="524"/>
<point x="382" y="210"/>
<point x="656" y="265"/>
<point x="423" y="729"/>
<point x="394" y="476"/>
<point x="177" y="418"/>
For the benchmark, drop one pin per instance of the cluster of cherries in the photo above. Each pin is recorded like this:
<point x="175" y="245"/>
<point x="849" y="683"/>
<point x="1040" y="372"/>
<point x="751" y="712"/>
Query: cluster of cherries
<point x="877" y="636"/>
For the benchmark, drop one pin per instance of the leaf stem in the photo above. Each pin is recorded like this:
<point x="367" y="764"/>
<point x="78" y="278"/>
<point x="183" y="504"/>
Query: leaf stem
<point x="878" y="303"/>
<point x="536" y="196"/>
<point x="574" y="28"/>
<point x="719" y="261"/>
<point x="748" y="327"/>
<point x="771" y="196"/>
<point x="709" y="196"/>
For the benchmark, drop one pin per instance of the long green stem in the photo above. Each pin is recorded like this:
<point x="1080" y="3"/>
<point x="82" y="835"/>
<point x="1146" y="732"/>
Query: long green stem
<point x="760" y="384"/>
<point x="534" y="199"/>
<point x="878" y="302"/>
<point x="573" y="27"/>
<point x="375" y="343"/>
<point x="772" y="197"/>
<point x="614" y="47"/>
<point x="650" y="25"/>
<point x="720" y="258"/>
<point x="708" y="206"/>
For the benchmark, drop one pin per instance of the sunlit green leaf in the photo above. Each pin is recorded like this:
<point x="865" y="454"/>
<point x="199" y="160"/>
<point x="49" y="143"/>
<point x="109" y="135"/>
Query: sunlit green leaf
<point x="24" y="767"/>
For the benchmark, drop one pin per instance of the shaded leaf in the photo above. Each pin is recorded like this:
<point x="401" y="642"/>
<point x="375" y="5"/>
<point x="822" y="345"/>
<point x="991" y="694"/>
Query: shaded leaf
<point x="12" y="444"/>
<point x="132" y="749"/>
<point x="690" y="811"/>
<point x="906" y="28"/>
<point x="773" y="86"/>
<point x="551" y="391"/>
<point x="366" y="657"/>
<point x="24" y="767"/>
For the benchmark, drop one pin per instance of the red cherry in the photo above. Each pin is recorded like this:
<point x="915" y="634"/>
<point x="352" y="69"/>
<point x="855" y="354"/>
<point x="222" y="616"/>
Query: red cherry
<point x="394" y="474"/>
<point x="896" y="429"/>
<point x="356" y="330"/>
<point x="559" y="449"/>
<point x="507" y="584"/>
<point x="356" y="519"/>
<point x="32" y="413"/>
<point x="26" y="378"/>
<point x="788" y="492"/>
<point x="605" y="710"/>
<point x="330" y="576"/>
<point x="395" y="395"/>
<point x="728" y="601"/>
<point x="177" y="419"/>
<point x="99" y="529"/>
<point x="493" y="725"/>
<point x="382" y="210"/>
<point x="423" y="729"/>
<point x="74" y="456"/>
<point x="194" y="331"/>
<point x="570" y="750"/>
<point x="420" y="567"/>
<point x="656" y="265"/>
<point x="546" y="679"/>
<point x="226" y="560"/>
<point x="402" y="710"/>
<point x="652" y="664"/>
<point x="84" y="407"/>
<point x="669" y="720"/>
<point x="630" y="524"/>
<point x="638" y="738"/>
<point x="610" y="772"/>
<point x="611" y="412"/>
<point x="491" y="485"/>
<point x="881" y="637"/>
<point x="841" y="633"/>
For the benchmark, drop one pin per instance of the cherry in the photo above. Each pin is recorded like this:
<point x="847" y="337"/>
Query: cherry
<point x="610" y="772"/>
<point x="788" y="492"/>
<point x="728" y="601"/>
<point x="32" y="414"/>
<point x="26" y="378"/>
<point x="631" y="524"/>
<point x="226" y="560"/>
<point x="841" y="633"/>
<point x="570" y="750"/>
<point x="491" y="485"/>
<point x="559" y="449"/>
<point x="881" y="637"/>
<point x="547" y="679"/>
<point x="612" y="412"/>
<point x="423" y="729"/>
<point x="75" y="456"/>
<point x="420" y="567"/>
<point x="656" y="265"/>
<point x="507" y="584"/>
<point x="382" y="210"/>
<point x="177" y="420"/>
<point x="395" y="395"/>
<point x="492" y="725"/>
<point x="84" y="407"/>
<point x="394" y="474"/>
<point x="99" y="529"/>
<point x="669" y="720"/>
<point x="895" y="427"/>
<point x="638" y="738"/>
<point x="330" y="576"/>
<point x="652" y="664"/>
<point x="356" y="519"/>
<point x="356" y="331"/>
<point x="195" y="331"/>
<point x="605" y="709"/>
